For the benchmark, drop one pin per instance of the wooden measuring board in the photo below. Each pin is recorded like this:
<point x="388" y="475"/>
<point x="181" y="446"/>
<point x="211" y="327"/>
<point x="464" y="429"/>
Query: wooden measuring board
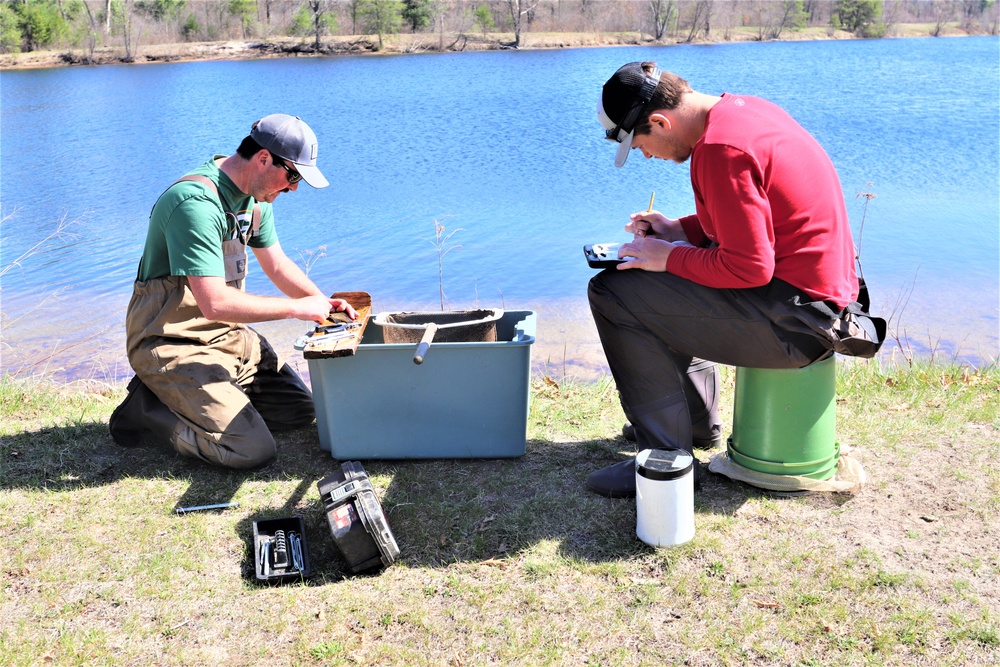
<point x="342" y="347"/>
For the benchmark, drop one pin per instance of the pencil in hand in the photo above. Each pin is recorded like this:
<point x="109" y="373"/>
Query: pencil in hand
<point x="642" y="233"/>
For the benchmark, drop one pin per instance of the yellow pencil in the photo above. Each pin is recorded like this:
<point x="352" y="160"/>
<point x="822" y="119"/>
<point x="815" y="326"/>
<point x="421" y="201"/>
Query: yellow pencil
<point x="642" y="234"/>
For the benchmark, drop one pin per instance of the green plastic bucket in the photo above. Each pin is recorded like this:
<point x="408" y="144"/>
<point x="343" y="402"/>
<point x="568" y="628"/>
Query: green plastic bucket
<point x="784" y="420"/>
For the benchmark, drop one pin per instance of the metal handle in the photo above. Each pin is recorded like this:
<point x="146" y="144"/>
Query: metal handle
<point x="425" y="343"/>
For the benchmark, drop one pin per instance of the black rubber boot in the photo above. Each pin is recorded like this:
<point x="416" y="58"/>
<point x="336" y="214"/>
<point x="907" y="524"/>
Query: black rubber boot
<point x="141" y="418"/>
<point x="628" y="432"/>
<point x="614" y="481"/>
<point x="702" y="394"/>
<point x="618" y="480"/>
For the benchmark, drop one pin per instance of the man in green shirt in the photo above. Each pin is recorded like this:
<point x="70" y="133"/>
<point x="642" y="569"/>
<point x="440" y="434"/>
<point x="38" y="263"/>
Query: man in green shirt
<point x="206" y="383"/>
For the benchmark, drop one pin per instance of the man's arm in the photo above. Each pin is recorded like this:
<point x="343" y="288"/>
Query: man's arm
<point x="290" y="279"/>
<point x="285" y="273"/>
<point x="219" y="301"/>
<point x="737" y="211"/>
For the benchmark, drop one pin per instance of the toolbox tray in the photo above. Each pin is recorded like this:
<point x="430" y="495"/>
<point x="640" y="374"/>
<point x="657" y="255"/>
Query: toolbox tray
<point x="358" y="525"/>
<point x="264" y="530"/>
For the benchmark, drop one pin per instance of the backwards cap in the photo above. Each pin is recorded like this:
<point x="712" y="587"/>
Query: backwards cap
<point x="622" y="100"/>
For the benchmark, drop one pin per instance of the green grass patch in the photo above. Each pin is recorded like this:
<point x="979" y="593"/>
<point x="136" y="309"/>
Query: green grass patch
<point x="510" y="561"/>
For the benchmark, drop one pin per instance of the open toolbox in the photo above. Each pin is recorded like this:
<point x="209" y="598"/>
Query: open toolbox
<point x="280" y="549"/>
<point x="359" y="527"/>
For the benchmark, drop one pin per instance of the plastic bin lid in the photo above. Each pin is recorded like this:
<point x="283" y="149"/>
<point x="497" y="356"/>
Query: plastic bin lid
<point x="664" y="464"/>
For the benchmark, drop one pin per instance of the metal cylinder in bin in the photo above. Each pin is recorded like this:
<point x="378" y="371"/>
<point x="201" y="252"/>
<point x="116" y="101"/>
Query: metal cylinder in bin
<point x="784" y="420"/>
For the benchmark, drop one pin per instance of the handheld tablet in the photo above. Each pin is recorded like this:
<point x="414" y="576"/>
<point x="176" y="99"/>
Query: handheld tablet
<point x="602" y="255"/>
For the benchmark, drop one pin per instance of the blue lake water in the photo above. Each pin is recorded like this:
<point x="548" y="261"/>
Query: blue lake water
<point x="504" y="149"/>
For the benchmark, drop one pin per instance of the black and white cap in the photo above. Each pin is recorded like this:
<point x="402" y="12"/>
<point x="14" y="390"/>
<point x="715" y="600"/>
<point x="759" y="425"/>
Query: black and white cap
<point x="622" y="100"/>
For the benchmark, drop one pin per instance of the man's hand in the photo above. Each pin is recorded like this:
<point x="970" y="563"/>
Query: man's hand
<point x="318" y="308"/>
<point x="312" y="308"/>
<point x="341" y="306"/>
<point x="649" y="254"/>
<point x="654" y="224"/>
<point x="219" y="301"/>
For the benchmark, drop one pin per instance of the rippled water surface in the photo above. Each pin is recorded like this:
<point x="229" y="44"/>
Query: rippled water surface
<point x="504" y="149"/>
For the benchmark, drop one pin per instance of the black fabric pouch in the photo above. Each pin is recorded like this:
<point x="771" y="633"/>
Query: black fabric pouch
<point x="852" y="331"/>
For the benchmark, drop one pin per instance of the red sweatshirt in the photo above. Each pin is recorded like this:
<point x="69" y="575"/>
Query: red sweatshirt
<point x="767" y="193"/>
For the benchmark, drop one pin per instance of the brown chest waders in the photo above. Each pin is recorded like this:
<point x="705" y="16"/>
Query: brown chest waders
<point x="223" y="383"/>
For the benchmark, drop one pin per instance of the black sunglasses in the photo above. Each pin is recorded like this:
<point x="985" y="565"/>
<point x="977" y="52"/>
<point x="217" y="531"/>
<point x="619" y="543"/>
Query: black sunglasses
<point x="627" y="123"/>
<point x="293" y="176"/>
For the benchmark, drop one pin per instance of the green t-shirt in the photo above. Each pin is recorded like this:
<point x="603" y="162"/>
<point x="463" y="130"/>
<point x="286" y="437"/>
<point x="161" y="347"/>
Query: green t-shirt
<point x="188" y="225"/>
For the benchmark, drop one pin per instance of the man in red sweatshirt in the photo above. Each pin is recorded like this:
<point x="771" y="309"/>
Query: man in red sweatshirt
<point x="761" y="275"/>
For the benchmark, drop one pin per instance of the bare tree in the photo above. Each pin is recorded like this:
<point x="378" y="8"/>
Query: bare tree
<point x="779" y="16"/>
<point x="991" y="18"/>
<point x="664" y="13"/>
<point x="464" y="16"/>
<point x="518" y="10"/>
<point x="264" y="7"/>
<point x="93" y="35"/>
<point x="890" y="15"/>
<point x="944" y="11"/>
<point x="320" y="19"/>
<point x="701" y="16"/>
<point x="123" y="21"/>
<point x="439" y="10"/>
<point x="725" y="14"/>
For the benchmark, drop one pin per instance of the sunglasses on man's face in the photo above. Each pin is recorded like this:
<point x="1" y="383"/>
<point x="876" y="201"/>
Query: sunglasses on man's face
<point x="293" y="176"/>
<point x="627" y="124"/>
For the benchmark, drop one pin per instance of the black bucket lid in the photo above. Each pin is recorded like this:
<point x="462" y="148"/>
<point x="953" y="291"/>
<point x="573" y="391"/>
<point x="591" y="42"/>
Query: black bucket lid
<point x="664" y="464"/>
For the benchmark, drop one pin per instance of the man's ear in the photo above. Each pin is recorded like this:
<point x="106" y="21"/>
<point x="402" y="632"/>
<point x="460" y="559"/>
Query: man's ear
<point x="657" y="118"/>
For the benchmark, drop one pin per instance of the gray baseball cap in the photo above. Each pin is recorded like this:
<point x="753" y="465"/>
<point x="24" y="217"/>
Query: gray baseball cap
<point x="292" y="140"/>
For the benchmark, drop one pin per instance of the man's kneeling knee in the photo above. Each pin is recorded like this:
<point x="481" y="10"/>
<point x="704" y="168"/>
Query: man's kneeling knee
<point x="237" y="448"/>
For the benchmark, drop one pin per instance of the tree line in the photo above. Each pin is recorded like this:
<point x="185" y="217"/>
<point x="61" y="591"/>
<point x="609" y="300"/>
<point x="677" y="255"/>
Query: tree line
<point x="28" y="25"/>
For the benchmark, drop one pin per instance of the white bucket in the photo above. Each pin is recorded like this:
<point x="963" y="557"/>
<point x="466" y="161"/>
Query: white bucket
<point x="664" y="497"/>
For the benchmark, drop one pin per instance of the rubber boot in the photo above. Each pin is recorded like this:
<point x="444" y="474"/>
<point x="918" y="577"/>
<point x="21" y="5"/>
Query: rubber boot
<point x="662" y="424"/>
<point x="701" y="391"/>
<point x="141" y="419"/>
<point x="618" y="480"/>
<point x="613" y="481"/>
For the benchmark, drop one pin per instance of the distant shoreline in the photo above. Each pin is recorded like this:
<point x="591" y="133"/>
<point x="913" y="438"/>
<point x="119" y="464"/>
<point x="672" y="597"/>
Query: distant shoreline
<point x="405" y="43"/>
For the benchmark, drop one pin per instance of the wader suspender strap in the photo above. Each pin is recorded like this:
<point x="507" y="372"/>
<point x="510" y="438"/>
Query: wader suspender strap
<point x="208" y="183"/>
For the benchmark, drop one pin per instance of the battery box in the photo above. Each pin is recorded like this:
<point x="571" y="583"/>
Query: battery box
<point x="359" y="527"/>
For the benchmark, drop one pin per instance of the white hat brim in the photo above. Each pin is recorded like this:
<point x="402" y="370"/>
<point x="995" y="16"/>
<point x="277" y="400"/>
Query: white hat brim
<point x="625" y="145"/>
<point x="311" y="175"/>
<point x="623" y="150"/>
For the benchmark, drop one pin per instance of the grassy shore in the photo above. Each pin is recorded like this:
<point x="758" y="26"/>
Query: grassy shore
<point x="280" y="46"/>
<point x="511" y="561"/>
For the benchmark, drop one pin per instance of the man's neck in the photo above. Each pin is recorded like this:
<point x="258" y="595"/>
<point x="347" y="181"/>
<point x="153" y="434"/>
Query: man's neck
<point x="238" y="171"/>
<point x="693" y="114"/>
